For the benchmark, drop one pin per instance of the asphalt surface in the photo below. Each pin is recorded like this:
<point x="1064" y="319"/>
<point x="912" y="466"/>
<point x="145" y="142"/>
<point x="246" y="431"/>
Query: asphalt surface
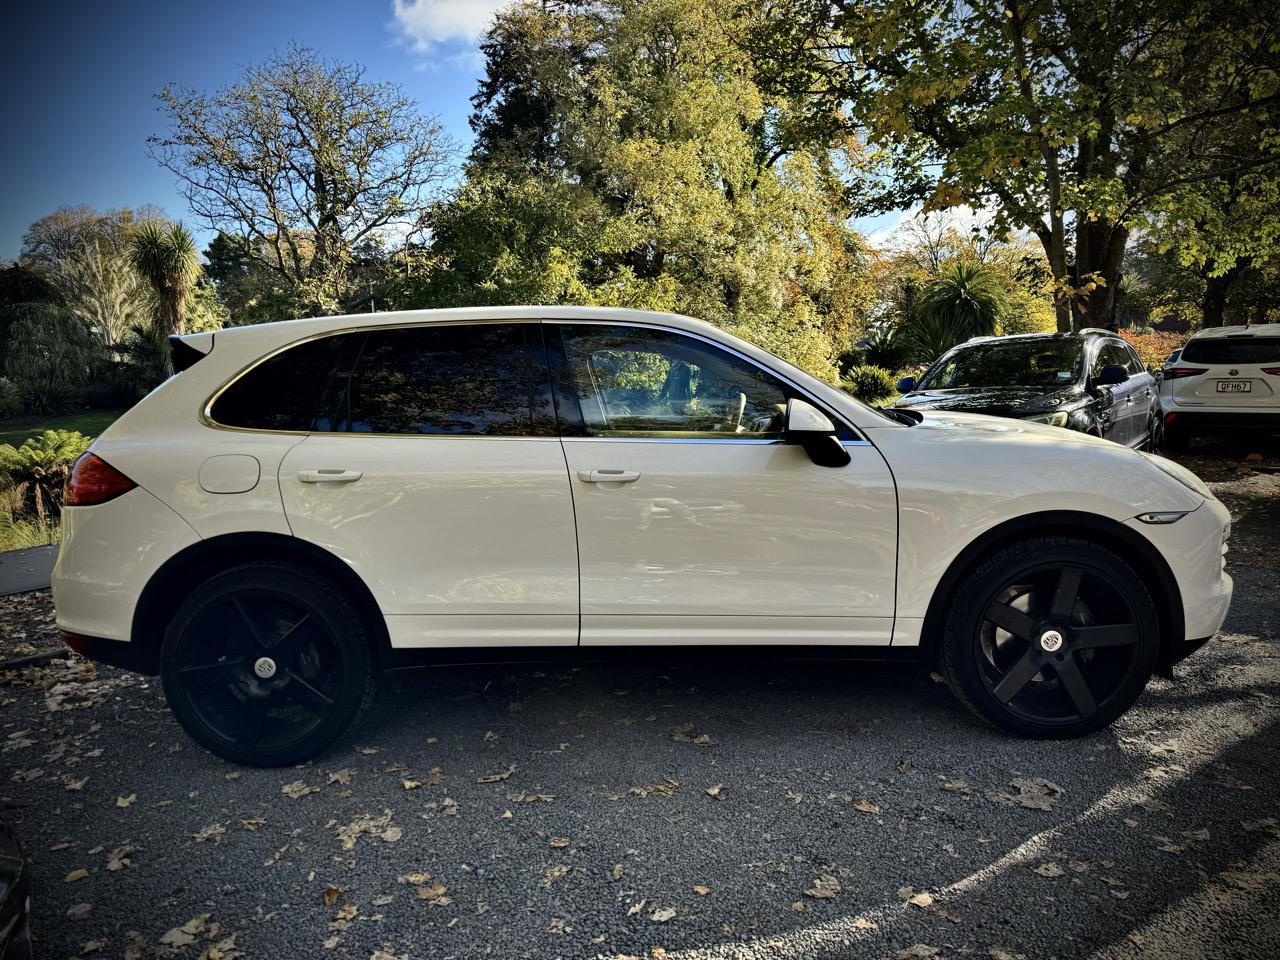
<point x="24" y="570"/>
<point x="572" y="812"/>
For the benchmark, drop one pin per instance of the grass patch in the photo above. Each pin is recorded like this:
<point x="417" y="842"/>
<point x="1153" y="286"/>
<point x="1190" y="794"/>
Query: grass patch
<point x="20" y="534"/>
<point x="89" y="422"/>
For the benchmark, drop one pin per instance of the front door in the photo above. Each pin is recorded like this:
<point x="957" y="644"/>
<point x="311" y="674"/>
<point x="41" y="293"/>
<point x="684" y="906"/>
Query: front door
<point x="434" y="470"/>
<point x="696" y="523"/>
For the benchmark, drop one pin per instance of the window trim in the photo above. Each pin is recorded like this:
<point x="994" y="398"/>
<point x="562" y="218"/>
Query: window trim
<point x="533" y="347"/>
<point x="561" y="363"/>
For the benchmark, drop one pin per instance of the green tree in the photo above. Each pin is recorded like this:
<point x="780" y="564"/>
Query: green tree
<point x="650" y="171"/>
<point x="102" y="287"/>
<point x="303" y="159"/>
<point x="965" y="300"/>
<point x="166" y="258"/>
<point x="1064" y="116"/>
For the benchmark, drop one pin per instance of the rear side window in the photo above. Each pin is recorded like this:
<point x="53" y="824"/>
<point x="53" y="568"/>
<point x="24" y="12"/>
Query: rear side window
<point x="470" y="380"/>
<point x="1244" y="350"/>
<point x="281" y="393"/>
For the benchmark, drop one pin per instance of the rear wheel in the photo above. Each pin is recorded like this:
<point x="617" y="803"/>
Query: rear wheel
<point x="267" y="664"/>
<point x="1051" y="637"/>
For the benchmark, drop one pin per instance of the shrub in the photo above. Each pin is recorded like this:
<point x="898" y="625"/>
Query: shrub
<point x="1155" y="346"/>
<point x="870" y="384"/>
<point x="883" y="347"/>
<point x="38" y="468"/>
<point x="850" y="358"/>
<point x="10" y="399"/>
<point x="20" y="534"/>
<point x="50" y="352"/>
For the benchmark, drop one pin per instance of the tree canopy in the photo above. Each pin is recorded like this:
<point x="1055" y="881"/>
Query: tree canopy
<point x="1071" y="119"/>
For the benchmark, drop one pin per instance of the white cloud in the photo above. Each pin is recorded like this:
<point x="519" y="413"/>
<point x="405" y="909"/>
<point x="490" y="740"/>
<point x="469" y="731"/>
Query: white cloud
<point x="425" y="24"/>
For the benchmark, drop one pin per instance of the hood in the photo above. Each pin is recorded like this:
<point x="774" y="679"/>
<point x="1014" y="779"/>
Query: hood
<point x="1011" y="401"/>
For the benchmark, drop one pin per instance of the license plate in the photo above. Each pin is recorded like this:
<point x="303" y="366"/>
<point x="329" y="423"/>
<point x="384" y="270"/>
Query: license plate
<point x="1235" y="386"/>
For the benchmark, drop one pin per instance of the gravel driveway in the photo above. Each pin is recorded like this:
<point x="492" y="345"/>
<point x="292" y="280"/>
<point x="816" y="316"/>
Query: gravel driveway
<point x="739" y="810"/>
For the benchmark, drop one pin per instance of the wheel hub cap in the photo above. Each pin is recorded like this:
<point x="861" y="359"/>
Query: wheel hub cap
<point x="1051" y="641"/>
<point x="265" y="668"/>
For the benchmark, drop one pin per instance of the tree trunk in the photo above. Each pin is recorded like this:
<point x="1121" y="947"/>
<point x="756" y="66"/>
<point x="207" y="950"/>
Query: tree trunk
<point x="1217" y="291"/>
<point x="1100" y="250"/>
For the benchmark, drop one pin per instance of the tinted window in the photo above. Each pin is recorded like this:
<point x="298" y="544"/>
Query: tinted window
<point x="1135" y="362"/>
<point x="1041" y="363"/>
<point x="631" y="381"/>
<point x="474" y="379"/>
<point x="1232" y="350"/>
<point x="281" y="393"/>
<point x="1112" y="353"/>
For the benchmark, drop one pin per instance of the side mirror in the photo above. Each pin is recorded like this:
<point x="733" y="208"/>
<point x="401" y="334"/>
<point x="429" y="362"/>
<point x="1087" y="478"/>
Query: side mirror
<point x="1111" y="375"/>
<point x="906" y="384"/>
<point x="812" y="429"/>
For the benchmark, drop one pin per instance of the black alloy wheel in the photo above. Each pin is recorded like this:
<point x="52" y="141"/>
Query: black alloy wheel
<point x="266" y="664"/>
<point x="1053" y="637"/>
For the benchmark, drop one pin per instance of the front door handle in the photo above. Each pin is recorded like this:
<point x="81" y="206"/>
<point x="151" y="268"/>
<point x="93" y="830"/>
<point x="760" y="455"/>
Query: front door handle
<point x="608" y="476"/>
<point x="329" y="476"/>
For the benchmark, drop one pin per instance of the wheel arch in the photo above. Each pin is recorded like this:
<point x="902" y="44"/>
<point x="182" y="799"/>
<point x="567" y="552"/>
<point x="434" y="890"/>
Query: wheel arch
<point x="190" y="567"/>
<point x="1129" y="545"/>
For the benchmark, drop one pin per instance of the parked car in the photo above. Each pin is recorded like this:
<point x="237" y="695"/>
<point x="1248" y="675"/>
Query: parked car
<point x="1171" y="359"/>
<point x="1226" y="377"/>
<point x="306" y="504"/>
<point x="15" y="898"/>
<point x="1090" y="381"/>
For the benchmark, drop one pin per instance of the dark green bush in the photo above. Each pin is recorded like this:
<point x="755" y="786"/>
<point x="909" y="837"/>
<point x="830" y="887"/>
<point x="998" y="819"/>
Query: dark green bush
<point x="10" y="399"/>
<point x="870" y="384"/>
<point x="51" y="352"/>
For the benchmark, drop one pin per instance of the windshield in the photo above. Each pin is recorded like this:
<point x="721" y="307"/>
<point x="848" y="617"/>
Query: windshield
<point x="1008" y="363"/>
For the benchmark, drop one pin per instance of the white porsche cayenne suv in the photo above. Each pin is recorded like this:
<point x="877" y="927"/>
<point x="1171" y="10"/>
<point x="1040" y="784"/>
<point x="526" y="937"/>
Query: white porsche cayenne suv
<point x="307" y="504"/>
<point x="1225" y="377"/>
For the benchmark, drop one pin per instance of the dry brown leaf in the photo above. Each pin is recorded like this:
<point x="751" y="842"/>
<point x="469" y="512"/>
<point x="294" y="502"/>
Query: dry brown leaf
<point x="77" y="874"/>
<point x="553" y="874"/>
<point x="331" y="894"/>
<point x="664" y="789"/>
<point x="434" y="894"/>
<point x="717" y="791"/>
<point x="701" y="889"/>
<point x="1050" y="869"/>
<point x="128" y="801"/>
<point x="495" y="777"/>
<point x="865" y="805"/>
<point x="663" y="914"/>
<point x="559" y="841"/>
<point x="297" y="790"/>
<point x="824" y="888"/>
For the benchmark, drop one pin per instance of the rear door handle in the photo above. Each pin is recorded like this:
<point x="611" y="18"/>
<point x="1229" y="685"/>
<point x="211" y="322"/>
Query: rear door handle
<point x="608" y="476"/>
<point x="329" y="476"/>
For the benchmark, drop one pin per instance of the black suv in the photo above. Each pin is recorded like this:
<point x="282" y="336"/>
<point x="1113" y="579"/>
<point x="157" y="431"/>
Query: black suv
<point x="1091" y="381"/>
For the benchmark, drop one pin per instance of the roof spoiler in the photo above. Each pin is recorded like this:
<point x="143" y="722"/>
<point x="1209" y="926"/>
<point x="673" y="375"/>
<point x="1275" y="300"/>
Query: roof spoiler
<point x="187" y="351"/>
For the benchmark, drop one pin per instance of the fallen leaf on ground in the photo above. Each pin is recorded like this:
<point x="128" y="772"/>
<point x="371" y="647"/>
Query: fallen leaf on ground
<point x="1050" y="870"/>
<point x="341" y="776"/>
<point x="78" y="911"/>
<point x="128" y="801"/>
<point x="253" y="824"/>
<point x="825" y="887"/>
<point x="331" y="895"/>
<point x="664" y="789"/>
<point x="213" y="831"/>
<point x="701" y="889"/>
<point x="495" y="777"/>
<point x="434" y="894"/>
<point x="865" y="805"/>
<point x="559" y="841"/>
<point x="186" y="934"/>
<point x="78" y="874"/>
<point x="954" y="786"/>
<point x="553" y="874"/>
<point x="923" y="900"/>
<point x="297" y="790"/>
<point x="918" y="951"/>
<point x="662" y="915"/>
<point x="717" y="791"/>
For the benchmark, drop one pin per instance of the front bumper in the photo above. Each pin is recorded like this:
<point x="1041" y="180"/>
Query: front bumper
<point x="1195" y="549"/>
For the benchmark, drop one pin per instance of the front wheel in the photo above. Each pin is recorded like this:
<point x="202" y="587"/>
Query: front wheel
<point x="1050" y="637"/>
<point x="267" y="664"/>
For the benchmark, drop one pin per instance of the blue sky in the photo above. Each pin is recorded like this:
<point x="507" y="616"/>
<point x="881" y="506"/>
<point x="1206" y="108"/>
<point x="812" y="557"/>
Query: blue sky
<point x="81" y="79"/>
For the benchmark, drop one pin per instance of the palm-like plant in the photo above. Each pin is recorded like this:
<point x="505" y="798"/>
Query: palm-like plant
<point x="166" y="257"/>
<point x="964" y="300"/>
<point x="39" y="468"/>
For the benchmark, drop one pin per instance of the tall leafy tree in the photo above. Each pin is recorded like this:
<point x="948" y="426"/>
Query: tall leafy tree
<point x="1071" y="119"/>
<point x="626" y="156"/>
<point x="166" y="257"/>
<point x="304" y="159"/>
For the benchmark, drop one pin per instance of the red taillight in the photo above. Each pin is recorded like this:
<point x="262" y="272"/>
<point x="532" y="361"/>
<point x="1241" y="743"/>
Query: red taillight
<point x="93" y="480"/>
<point x="1177" y="373"/>
<point x="1274" y="371"/>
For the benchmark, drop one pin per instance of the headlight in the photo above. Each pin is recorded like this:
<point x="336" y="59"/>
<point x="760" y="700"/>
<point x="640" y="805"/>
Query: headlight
<point x="1181" y="474"/>
<point x="1058" y="419"/>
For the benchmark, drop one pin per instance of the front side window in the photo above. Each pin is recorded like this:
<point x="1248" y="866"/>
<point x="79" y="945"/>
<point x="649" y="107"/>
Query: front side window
<point x="469" y="379"/>
<point x="1112" y="353"/>
<point x="639" y="382"/>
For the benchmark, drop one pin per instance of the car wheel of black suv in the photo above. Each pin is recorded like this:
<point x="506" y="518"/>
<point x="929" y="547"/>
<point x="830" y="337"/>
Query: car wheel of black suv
<point x="267" y="664"/>
<point x="1050" y="637"/>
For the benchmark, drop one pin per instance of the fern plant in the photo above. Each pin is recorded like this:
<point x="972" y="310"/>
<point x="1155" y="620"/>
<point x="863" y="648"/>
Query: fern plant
<point x="38" y="469"/>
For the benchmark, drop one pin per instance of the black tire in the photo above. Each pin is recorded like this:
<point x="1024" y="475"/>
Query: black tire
<point x="1175" y="439"/>
<point x="235" y="627"/>
<point x="1014" y="673"/>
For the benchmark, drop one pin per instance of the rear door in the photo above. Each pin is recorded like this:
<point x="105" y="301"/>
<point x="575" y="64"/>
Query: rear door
<point x="1112" y="414"/>
<point x="1140" y="398"/>
<point x="433" y="468"/>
